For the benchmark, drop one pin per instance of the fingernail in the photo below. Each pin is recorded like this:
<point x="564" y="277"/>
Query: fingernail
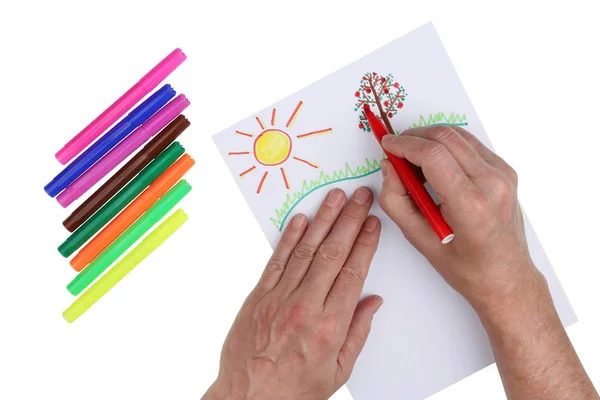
<point x="298" y="222"/>
<point x="371" y="224"/>
<point x="379" y="305"/>
<point x="334" y="198"/>
<point x="362" y="195"/>
<point x="387" y="138"/>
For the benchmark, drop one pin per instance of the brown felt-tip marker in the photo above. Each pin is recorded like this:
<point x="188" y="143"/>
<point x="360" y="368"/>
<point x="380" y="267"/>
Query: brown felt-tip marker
<point x="126" y="173"/>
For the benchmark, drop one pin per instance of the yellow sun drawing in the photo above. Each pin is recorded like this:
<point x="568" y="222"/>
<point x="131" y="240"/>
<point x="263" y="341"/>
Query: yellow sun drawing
<point x="273" y="147"/>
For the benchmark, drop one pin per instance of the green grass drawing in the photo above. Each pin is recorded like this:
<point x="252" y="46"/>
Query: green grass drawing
<point x="324" y="179"/>
<point x="440" y="119"/>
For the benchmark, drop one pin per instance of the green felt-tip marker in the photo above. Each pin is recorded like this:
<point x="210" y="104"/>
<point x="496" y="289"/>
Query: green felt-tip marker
<point x="126" y="265"/>
<point x="129" y="237"/>
<point x="121" y="199"/>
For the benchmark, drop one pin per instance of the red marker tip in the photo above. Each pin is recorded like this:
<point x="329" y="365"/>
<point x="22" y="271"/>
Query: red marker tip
<point x="367" y="108"/>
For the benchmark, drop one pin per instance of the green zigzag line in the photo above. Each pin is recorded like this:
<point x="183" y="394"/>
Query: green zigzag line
<point x="309" y="186"/>
<point x="440" y="119"/>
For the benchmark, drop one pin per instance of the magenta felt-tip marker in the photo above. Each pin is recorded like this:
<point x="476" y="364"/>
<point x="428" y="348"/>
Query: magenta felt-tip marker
<point x="112" y="114"/>
<point x="116" y="156"/>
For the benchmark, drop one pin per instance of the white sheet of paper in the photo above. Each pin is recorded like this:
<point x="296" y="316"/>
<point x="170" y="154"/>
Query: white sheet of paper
<point x="426" y="337"/>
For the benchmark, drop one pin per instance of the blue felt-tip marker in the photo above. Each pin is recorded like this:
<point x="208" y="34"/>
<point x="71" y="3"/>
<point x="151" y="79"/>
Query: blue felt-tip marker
<point x="113" y="137"/>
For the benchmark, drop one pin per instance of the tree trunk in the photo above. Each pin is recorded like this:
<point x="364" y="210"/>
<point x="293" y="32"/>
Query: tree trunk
<point x="384" y="116"/>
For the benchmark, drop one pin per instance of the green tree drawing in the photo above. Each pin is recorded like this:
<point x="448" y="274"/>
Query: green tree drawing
<point x="382" y="92"/>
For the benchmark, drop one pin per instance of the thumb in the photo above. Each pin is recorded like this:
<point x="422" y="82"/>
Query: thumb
<point x="357" y="335"/>
<point x="397" y="203"/>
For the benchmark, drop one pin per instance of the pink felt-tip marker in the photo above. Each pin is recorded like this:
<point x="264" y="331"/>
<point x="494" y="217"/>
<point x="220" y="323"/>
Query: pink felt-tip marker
<point x="112" y="114"/>
<point x="117" y="155"/>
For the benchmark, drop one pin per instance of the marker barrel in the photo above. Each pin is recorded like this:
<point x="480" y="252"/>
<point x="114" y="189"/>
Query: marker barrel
<point x="112" y="114"/>
<point x="123" y="150"/>
<point x="126" y="265"/>
<point x="119" y="132"/>
<point x="112" y="186"/>
<point x="129" y="237"/>
<point x="129" y="215"/>
<point x="124" y="197"/>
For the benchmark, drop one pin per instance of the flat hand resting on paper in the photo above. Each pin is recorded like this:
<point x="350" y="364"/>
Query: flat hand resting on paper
<point x="488" y="262"/>
<point x="301" y="329"/>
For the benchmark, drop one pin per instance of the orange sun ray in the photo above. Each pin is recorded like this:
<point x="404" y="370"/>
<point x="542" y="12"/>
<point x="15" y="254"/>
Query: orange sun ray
<point x="238" y="153"/>
<point x="315" y="133"/>
<point x="262" y="181"/>
<point x="274" y="117"/>
<point x="285" y="179"/>
<point x="262" y="126"/>
<point x="292" y="119"/>
<point x="244" y="134"/>
<point x="306" y="162"/>
<point x="248" y="171"/>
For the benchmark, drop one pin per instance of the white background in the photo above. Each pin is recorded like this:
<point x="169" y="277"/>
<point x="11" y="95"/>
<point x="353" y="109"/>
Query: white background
<point x="531" y="71"/>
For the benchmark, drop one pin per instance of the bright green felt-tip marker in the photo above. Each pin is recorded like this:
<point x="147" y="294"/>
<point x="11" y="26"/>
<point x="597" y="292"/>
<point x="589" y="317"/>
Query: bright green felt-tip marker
<point x="129" y="237"/>
<point x="126" y="265"/>
<point x="121" y="199"/>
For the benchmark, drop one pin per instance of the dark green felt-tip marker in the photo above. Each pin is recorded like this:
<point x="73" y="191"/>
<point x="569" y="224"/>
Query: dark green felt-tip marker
<point x="121" y="199"/>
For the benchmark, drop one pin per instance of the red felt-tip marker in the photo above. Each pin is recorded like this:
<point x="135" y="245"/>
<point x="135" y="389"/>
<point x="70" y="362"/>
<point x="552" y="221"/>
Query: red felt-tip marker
<point x="412" y="183"/>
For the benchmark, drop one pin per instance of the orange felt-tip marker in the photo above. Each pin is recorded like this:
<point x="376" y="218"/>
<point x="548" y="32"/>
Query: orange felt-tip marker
<point x="415" y="188"/>
<point x="130" y="214"/>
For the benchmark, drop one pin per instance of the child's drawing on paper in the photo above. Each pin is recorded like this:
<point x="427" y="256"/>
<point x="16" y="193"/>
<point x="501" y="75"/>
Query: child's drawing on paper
<point x="284" y="169"/>
<point x="272" y="147"/>
<point x="382" y="92"/>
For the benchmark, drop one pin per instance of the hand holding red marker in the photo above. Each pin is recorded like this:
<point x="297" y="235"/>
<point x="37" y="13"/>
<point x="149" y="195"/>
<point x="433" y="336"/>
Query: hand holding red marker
<point x="414" y="186"/>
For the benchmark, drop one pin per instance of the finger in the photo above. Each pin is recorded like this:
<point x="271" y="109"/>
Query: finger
<point x="317" y="231"/>
<point x="278" y="261"/>
<point x="397" y="203"/>
<point x="358" y="332"/>
<point x="333" y="252"/>
<point x="488" y="155"/>
<point x="349" y="283"/>
<point x="469" y="160"/>
<point x="440" y="168"/>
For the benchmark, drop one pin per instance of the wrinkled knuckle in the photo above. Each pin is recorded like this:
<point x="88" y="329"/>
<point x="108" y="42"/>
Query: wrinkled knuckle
<point x="331" y="251"/>
<point x="353" y="273"/>
<point x="304" y="252"/>
<point x="442" y="133"/>
<point x="433" y="150"/>
<point x="324" y="218"/>
<point x="275" y="265"/>
<point x="351" y="217"/>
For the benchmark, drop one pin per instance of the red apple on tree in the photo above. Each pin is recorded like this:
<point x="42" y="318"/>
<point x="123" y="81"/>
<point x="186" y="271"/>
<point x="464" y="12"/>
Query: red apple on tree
<point x="381" y="92"/>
